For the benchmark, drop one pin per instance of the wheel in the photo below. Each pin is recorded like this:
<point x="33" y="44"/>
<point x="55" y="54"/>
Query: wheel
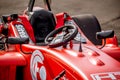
<point x="89" y="26"/>
<point x="61" y="36"/>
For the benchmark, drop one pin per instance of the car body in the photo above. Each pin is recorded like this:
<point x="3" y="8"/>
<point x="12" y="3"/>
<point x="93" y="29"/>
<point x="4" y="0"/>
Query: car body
<point x="23" y="57"/>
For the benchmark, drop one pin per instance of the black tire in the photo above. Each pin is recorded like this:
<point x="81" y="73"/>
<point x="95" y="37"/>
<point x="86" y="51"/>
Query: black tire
<point x="89" y="26"/>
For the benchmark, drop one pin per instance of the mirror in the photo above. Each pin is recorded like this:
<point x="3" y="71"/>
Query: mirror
<point x="16" y="40"/>
<point x="105" y="34"/>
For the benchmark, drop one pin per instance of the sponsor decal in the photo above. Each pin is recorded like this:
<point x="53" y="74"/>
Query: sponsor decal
<point x="37" y="68"/>
<point x="21" y="30"/>
<point x="106" y="76"/>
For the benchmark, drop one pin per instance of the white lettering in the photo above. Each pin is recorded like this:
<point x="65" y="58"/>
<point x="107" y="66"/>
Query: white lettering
<point x="21" y="30"/>
<point x="103" y="76"/>
<point x="109" y="76"/>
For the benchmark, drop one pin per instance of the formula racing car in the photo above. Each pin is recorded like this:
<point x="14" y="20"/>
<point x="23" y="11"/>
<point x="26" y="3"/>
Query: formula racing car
<point x="40" y="45"/>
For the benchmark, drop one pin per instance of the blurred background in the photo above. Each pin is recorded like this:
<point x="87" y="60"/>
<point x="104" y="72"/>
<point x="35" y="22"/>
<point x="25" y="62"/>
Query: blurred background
<point x="107" y="11"/>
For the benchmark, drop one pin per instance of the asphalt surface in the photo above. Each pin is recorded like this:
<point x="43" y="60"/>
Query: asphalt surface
<point x="107" y="11"/>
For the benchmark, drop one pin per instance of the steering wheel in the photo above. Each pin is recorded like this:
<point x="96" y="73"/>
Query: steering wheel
<point x="61" y="36"/>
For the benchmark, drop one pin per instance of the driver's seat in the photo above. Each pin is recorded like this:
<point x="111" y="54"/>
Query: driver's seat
<point x="43" y="22"/>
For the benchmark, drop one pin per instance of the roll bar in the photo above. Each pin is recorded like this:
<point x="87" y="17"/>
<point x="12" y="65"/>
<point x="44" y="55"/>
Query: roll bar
<point x="31" y="4"/>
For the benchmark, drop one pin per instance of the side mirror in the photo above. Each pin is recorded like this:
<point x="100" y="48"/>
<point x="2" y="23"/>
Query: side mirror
<point x="105" y="34"/>
<point x="14" y="40"/>
<point x="17" y="40"/>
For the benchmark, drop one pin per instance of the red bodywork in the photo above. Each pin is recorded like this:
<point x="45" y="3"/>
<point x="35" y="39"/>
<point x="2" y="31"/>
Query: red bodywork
<point x="45" y="63"/>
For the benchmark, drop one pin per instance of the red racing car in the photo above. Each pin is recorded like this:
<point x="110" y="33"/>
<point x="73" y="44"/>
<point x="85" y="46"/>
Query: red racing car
<point x="40" y="45"/>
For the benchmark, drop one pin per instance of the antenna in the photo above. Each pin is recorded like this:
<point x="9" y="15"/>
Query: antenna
<point x="80" y="48"/>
